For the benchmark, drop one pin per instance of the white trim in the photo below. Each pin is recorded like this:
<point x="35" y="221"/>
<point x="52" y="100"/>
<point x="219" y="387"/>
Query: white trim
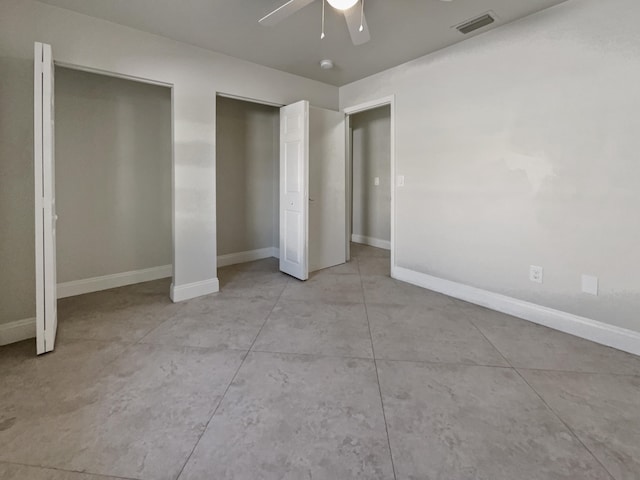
<point x="249" y="100"/>
<point x="599" y="332"/>
<point x="109" y="73"/>
<point x="380" y="102"/>
<point x="248" y="256"/>
<point x="17" y="331"/>
<point x="95" y="284"/>
<point x="371" y="241"/>
<point x="180" y="293"/>
<point x="371" y="104"/>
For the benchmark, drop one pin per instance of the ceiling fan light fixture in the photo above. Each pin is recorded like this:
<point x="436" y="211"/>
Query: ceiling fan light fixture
<point x="342" y="4"/>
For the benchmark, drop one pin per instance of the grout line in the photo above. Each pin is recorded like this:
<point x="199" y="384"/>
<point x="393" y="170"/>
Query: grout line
<point x="564" y="423"/>
<point x="544" y="401"/>
<point x="315" y="355"/>
<point x="83" y="472"/>
<point x="244" y="358"/>
<point x="579" y="372"/>
<point x="375" y="365"/>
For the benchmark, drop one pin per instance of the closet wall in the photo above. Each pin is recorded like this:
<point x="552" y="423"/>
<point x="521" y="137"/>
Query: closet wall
<point x="247" y="166"/>
<point x="371" y="146"/>
<point x="113" y="175"/>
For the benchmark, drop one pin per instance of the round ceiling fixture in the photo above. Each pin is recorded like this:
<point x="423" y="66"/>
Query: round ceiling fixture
<point x="326" y="64"/>
<point x="342" y="4"/>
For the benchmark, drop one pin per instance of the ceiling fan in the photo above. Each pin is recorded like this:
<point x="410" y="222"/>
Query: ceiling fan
<point x="356" y="22"/>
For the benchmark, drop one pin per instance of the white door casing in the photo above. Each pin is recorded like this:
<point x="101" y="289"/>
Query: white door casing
<point x="294" y="188"/>
<point x="45" y="205"/>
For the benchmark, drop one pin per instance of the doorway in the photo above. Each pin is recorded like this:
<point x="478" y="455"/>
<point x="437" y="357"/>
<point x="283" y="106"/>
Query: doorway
<point x="371" y="186"/>
<point x="247" y="180"/>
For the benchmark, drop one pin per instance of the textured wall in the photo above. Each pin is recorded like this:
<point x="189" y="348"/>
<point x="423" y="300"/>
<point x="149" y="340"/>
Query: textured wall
<point x="520" y="147"/>
<point x="113" y="175"/>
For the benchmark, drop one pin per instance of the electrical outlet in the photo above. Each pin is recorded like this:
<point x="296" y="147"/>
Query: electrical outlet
<point x="376" y="181"/>
<point x="590" y="284"/>
<point x="535" y="273"/>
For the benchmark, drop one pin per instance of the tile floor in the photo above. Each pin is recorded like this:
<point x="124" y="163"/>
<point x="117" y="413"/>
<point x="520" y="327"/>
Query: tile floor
<point x="350" y="375"/>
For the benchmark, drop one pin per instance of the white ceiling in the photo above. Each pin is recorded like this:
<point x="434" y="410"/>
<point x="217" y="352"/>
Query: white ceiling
<point x="401" y="30"/>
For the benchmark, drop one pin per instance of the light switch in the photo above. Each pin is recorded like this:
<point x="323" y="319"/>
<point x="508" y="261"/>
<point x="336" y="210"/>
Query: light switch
<point x="376" y="181"/>
<point x="401" y="180"/>
<point x="590" y="284"/>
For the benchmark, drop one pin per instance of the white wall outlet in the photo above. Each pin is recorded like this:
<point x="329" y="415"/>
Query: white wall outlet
<point x="590" y="284"/>
<point x="376" y="181"/>
<point x="401" y="180"/>
<point x="535" y="273"/>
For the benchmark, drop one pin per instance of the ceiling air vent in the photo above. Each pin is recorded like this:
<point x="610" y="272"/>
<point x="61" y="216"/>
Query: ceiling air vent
<point x="476" y="23"/>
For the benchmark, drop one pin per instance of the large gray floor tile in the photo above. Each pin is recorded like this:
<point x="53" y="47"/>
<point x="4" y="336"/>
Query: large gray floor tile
<point x="459" y="422"/>
<point x="10" y="471"/>
<point x="121" y="314"/>
<point x="603" y="410"/>
<point x="139" y="418"/>
<point x="348" y="268"/>
<point x="126" y="324"/>
<point x="294" y="417"/>
<point x="26" y="378"/>
<point x="381" y="289"/>
<point x="432" y="334"/>
<point x="527" y="345"/>
<point x="374" y="266"/>
<point x="262" y="283"/>
<point x="214" y="322"/>
<point x="316" y="328"/>
<point x="326" y="288"/>
<point x="361" y="250"/>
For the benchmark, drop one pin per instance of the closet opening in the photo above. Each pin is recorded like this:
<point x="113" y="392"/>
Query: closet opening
<point x="247" y="185"/>
<point x="114" y="154"/>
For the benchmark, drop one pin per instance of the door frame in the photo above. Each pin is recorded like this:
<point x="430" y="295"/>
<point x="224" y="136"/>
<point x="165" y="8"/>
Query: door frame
<point x="257" y="101"/>
<point x="352" y="110"/>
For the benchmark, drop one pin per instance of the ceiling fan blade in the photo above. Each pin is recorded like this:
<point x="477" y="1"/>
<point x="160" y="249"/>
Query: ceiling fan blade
<point x="352" y="16"/>
<point x="283" y="12"/>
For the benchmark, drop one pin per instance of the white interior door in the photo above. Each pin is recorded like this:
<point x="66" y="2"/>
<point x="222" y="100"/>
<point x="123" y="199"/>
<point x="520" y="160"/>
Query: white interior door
<point x="45" y="204"/>
<point x="294" y="190"/>
<point x="327" y="188"/>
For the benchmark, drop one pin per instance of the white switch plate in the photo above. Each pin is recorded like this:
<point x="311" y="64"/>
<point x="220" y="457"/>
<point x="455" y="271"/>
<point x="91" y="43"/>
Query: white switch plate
<point x="401" y="180"/>
<point x="535" y="273"/>
<point x="376" y="181"/>
<point x="590" y="284"/>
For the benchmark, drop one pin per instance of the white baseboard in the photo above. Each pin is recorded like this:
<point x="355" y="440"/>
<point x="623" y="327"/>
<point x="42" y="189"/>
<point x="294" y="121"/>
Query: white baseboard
<point x="599" y="332"/>
<point x="372" y="242"/>
<point x="248" y="256"/>
<point x="180" y="293"/>
<point x="17" y="331"/>
<point x="95" y="284"/>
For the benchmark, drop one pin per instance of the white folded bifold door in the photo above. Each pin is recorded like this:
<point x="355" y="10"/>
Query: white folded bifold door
<point x="45" y="203"/>
<point x="312" y="189"/>
<point x="294" y="189"/>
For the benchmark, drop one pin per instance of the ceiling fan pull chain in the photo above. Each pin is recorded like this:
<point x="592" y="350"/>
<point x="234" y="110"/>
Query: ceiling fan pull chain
<point x="322" y="34"/>
<point x="361" y="17"/>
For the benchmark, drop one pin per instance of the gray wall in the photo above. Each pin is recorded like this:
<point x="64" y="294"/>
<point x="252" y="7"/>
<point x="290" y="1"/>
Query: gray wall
<point x="17" y="263"/>
<point x="247" y="156"/>
<point x="520" y="147"/>
<point x="113" y="175"/>
<point x="371" y="147"/>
